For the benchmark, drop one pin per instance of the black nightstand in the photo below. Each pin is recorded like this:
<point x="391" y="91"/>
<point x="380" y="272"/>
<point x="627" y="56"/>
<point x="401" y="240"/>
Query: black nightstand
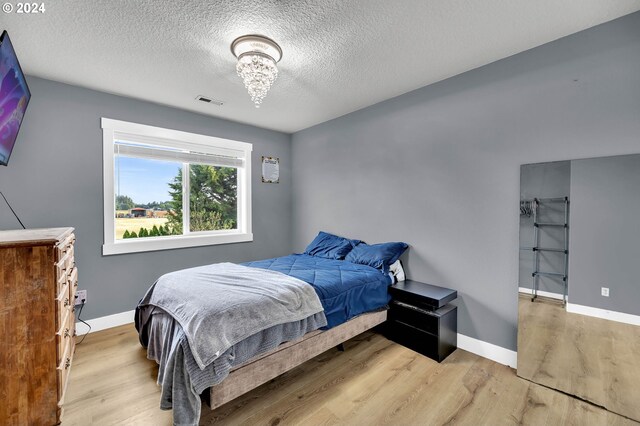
<point x="421" y="318"/>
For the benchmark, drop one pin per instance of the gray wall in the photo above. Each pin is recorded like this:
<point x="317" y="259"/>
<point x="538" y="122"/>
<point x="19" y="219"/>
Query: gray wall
<point x="605" y="235"/>
<point x="439" y="167"/>
<point x="54" y="178"/>
<point x="546" y="180"/>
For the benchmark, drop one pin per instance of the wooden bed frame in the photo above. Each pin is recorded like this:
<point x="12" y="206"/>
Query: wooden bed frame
<point x="287" y="356"/>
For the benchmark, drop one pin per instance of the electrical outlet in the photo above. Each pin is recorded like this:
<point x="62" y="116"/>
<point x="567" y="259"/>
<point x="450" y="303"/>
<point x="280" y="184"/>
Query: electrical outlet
<point x="81" y="297"/>
<point x="605" y="291"/>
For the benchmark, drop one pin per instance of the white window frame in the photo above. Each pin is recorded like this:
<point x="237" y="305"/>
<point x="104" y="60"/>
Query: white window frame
<point x="113" y="130"/>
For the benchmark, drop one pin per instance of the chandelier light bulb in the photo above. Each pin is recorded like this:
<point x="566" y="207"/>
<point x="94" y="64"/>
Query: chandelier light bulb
<point x="257" y="58"/>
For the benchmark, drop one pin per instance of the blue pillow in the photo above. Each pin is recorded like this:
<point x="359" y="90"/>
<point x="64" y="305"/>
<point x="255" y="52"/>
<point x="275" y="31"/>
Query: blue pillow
<point x="330" y="246"/>
<point x="380" y="256"/>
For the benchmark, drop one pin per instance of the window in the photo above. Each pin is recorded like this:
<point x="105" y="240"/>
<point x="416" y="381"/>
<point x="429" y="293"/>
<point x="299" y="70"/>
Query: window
<point x="167" y="189"/>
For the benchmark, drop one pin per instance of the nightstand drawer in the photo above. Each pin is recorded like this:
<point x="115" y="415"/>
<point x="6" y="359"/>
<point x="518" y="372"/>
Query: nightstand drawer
<point x="411" y="299"/>
<point x="413" y="338"/>
<point x="416" y="317"/>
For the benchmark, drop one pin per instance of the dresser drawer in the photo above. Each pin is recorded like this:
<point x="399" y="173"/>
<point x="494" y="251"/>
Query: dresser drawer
<point x="63" y="247"/>
<point x="70" y="261"/>
<point x="63" y="293"/>
<point x="65" y="360"/>
<point x="62" y="271"/>
<point x="64" y="335"/>
<point x="63" y="313"/>
<point x="61" y="279"/>
<point x="72" y="295"/>
<point x="413" y="316"/>
<point x="73" y="286"/>
<point x="73" y="279"/>
<point x="63" y="306"/>
<point x="72" y="324"/>
<point x="63" y="370"/>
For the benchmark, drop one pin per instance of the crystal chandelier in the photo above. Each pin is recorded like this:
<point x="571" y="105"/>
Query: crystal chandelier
<point x="257" y="57"/>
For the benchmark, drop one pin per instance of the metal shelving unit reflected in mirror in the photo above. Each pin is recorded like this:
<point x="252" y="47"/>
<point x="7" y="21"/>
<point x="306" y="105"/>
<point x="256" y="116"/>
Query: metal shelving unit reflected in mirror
<point x="539" y="203"/>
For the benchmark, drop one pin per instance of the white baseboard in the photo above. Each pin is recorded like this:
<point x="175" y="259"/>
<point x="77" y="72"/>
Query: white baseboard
<point x="488" y="350"/>
<point x="484" y="349"/>
<point x="603" y="314"/>
<point x="548" y="294"/>
<point x="103" y="323"/>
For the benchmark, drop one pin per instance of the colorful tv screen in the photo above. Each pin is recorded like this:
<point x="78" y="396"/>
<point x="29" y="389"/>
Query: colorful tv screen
<point x="14" y="98"/>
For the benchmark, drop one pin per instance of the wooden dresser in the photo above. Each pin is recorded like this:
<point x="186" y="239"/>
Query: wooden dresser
<point x="38" y="281"/>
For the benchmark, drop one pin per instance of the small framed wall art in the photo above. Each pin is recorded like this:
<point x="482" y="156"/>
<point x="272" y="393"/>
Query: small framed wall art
<point x="270" y="169"/>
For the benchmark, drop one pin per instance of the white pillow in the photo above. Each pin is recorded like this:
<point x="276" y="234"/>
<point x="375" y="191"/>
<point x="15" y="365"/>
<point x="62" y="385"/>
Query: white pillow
<point x="397" y="271"/>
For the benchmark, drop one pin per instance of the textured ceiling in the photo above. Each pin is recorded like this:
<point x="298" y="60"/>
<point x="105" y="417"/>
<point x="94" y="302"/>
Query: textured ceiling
<point x="339" y="56"/>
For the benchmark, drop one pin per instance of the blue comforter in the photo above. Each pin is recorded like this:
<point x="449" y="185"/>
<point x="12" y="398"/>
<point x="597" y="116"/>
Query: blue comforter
<point x="345" y="289"/>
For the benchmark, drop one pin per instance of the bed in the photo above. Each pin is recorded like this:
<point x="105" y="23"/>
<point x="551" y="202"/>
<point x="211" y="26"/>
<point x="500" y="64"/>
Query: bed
<point x="327" y="299"/>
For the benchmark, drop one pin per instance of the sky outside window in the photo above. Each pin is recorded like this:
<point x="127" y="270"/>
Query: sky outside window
<point x="144" y="180"/>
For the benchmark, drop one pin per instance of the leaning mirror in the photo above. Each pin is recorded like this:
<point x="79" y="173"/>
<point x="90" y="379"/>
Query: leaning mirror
<point x="579" y="279"/>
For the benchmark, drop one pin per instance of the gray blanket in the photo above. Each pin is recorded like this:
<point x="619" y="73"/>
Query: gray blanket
<point x="219" y="305"/>
<point x="181" y="379"/>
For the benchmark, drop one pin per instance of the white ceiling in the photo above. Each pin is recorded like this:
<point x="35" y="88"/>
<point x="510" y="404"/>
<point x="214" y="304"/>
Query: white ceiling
<point x="339" y="56"/>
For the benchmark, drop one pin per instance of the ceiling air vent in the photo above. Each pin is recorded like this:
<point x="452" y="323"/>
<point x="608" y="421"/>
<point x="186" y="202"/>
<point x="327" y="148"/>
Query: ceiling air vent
<point x="208" y="100"/>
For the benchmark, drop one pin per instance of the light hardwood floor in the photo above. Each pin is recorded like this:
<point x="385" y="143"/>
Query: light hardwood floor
<point x="374" y="381"/>
<point x="593" y="358"/>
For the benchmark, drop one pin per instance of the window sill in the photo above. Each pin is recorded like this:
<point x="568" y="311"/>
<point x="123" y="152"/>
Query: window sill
<point x="168" y="243"/>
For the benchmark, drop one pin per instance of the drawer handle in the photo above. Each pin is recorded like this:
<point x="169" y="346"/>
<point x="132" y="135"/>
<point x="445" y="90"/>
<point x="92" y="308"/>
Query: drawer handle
<point x="66" y="302"/>
<point x="67" y="363"/>
<point x="66" y="333"/>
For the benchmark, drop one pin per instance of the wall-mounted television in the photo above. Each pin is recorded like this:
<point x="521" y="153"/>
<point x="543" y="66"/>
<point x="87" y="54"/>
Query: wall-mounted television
<point x="14" y="97"/>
